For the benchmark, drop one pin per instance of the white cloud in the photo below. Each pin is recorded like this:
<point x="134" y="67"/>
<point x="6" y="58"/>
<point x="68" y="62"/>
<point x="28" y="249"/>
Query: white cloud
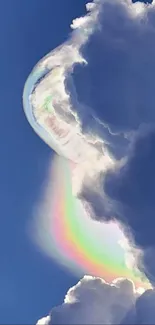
<point x="93" y="301"/>
<point x="44" y="321"/>
<point x="105" y="100"/>
<point x="109" y="43"/>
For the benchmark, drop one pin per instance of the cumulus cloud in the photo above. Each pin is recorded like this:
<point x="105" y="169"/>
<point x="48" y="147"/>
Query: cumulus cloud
<point x="103" y="82"/>
<point x="116" y="88"/>
<point x="93" y="301"/>
<point x="104" y="88"/>
<point x="129" y="192"/>
<point x="119" y="71"/>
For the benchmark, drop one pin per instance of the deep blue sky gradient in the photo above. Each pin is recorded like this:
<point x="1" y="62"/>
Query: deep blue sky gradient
<point x="30" y="284"/>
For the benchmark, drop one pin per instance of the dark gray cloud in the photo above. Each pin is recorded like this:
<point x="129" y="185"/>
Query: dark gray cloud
<point x="117" y="86"/>
<point x="128" y="194"/>
<point x="132" y="190"/>
<point x="118" y="81"/>
<point x="114" y="98"/>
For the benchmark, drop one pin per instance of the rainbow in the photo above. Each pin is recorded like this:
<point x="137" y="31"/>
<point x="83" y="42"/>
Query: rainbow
<point x="66" y="233"/>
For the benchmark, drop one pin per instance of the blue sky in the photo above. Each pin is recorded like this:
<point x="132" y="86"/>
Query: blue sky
<point x="120" y="110"/>
<point x="30" y="284"/>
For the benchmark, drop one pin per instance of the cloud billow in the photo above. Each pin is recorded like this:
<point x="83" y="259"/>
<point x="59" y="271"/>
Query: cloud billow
<point x="93" y="301"/>
<point x="117" y="86"/>
<point x="108" y="70"/>
<point x="117" y="83"/>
